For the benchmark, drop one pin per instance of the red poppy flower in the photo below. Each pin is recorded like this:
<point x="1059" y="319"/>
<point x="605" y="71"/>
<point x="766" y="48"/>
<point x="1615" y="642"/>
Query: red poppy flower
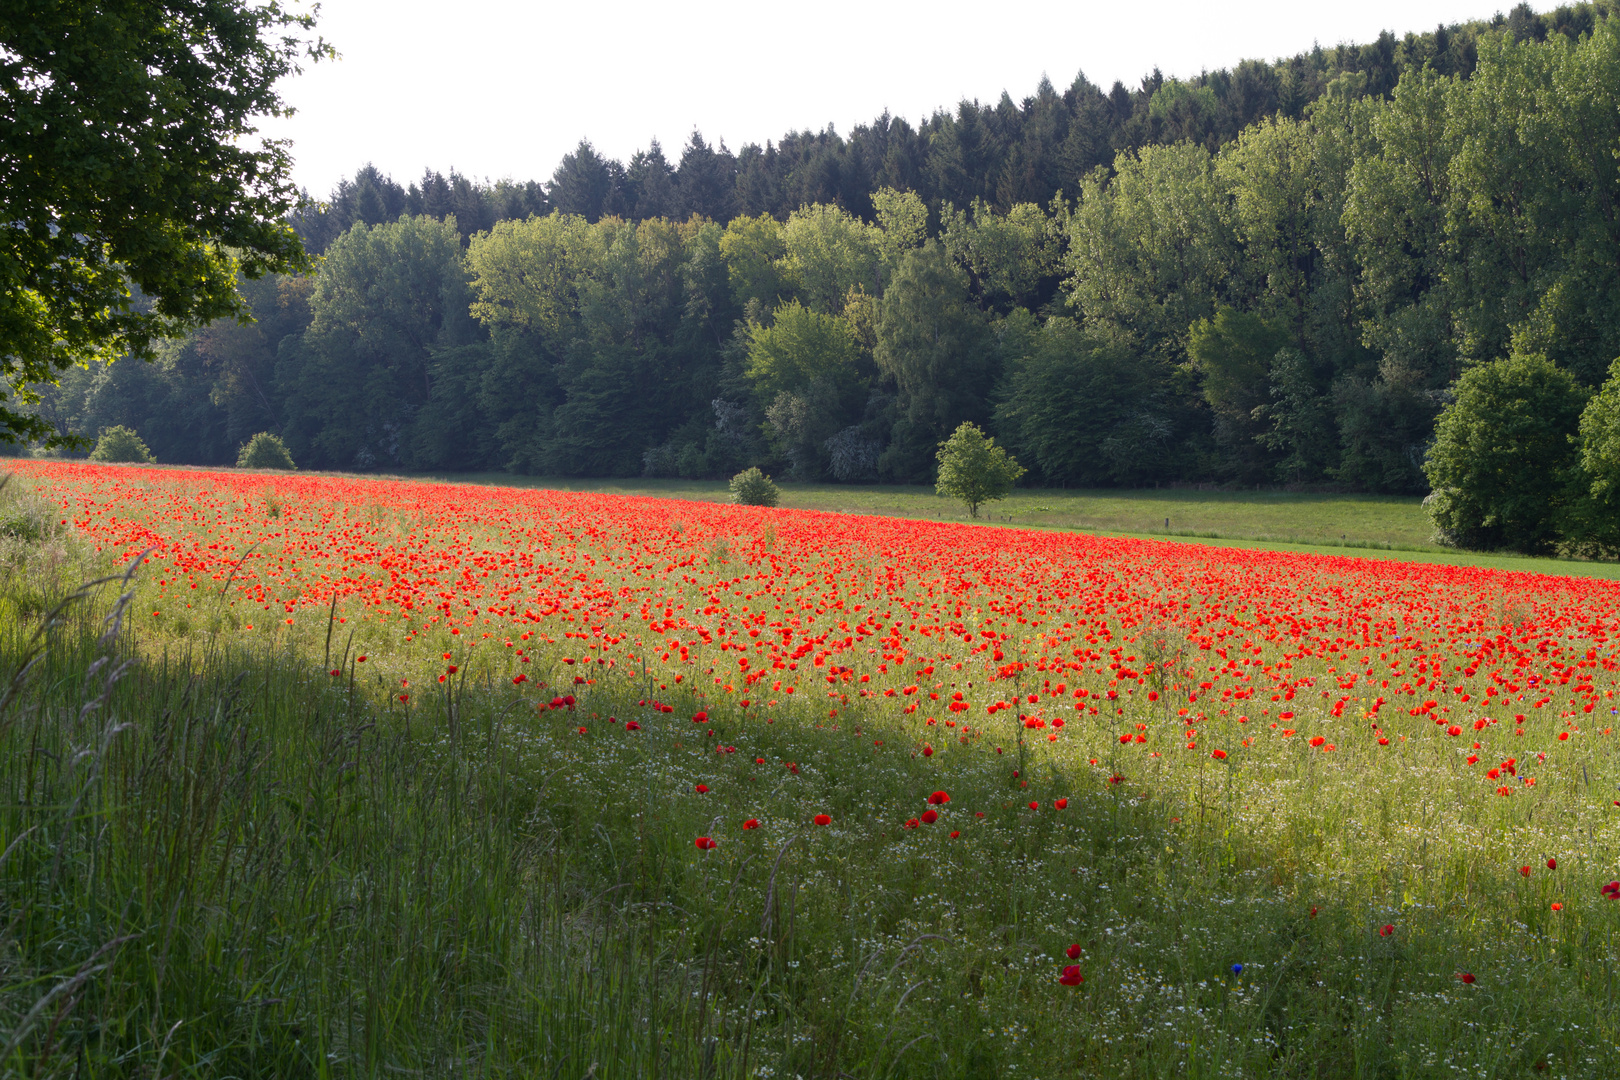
<point x="928" y="751"/>
<point x="1034" y="805"/>
<point x="751" y="823"/>
<point x="1611" y="891"/>
<point x="703" y="843"/>
<point x="1073" y="951"/>
<point x="1524" y="870"/>
<point x="823" y="819"/>
<point x="702" y="789"/>
<point x="631" y="725"/>
<point x="1465" y="977"/>
<point x="1071" y="976"/>
<point x="955" y="833"/>
<point x="1218" y="755"/>
<point x="1386" y="930"/>
<point x="938" y="798"/>
<point x="1061" y="804"/>
<point x="930" y="816"/>
<point x="1557" y="906"/>
<point x="1552" y="864"/>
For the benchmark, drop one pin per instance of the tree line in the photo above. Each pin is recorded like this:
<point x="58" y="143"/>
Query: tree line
<point x="1276" y="292"/>
<point x="1003" y="154"/>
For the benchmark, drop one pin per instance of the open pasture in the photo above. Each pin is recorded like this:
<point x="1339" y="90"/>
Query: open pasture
<point x="1362" y="521"/>
<point x="517" y="781"/>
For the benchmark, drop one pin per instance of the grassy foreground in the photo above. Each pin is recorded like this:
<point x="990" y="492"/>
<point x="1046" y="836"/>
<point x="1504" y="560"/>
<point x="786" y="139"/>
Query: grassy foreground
<point x="218" y="860"/>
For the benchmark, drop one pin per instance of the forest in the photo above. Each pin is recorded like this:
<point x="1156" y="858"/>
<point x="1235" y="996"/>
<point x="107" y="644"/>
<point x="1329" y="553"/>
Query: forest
<point x="1273" y="274"/>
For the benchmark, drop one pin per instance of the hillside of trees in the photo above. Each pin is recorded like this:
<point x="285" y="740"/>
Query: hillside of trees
<point x="1273" y="274"/>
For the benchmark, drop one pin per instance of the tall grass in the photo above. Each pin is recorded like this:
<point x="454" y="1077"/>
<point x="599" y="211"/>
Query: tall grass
<point x="218" y="860"/>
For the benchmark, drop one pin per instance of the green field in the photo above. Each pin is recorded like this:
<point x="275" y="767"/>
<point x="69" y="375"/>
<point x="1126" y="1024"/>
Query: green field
<point x="1376" y="526"/>
<point x="218" y="860"/>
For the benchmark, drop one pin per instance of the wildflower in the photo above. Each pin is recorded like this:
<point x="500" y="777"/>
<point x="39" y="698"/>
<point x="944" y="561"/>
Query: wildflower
<point x="938" y="798"/>
<point x="1218" y="755"/>
<point x="930" y="816"/>
<point x="1071" y="976"/>
<point x="1386" y="930"/>
<point x="751" y="823"/>
<point x="702" y="789"/>
<point x="1061" y="804"/>
<point x="1034" y="805"/>
<point x="823" y="819"/>
<point x="1611" y="891"/>
<point x="1524" y="871"/>
<point x="1552" y="864"/>
<point x="955" y="833"/>
<point x="631" y="725"/>
<point x="1237" y="969"/>
<point x="1465" y="977"/>
<point x="1557" y="906"/>
<point x="703" y="843"/>
<point x="1073" y="951"/>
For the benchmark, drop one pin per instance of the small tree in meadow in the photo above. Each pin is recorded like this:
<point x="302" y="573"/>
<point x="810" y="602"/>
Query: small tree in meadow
<point x="121" y="445"/>
<point x="1503" y="457"/>
<point x="753" y="488"/>
<point x="973" y="469"/>
<point x="265" y="451"/>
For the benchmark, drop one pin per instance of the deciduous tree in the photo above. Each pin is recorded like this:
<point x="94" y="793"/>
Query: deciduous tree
<point x="133" y="189"/>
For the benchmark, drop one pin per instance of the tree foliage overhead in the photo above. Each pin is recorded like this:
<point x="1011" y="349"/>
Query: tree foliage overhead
<point x="132" y="193"/>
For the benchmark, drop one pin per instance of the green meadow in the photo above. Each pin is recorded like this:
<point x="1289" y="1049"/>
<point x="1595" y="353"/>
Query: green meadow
<point x="217" y="860"/>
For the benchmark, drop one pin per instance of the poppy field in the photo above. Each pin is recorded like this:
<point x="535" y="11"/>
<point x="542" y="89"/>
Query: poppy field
<point x="752" y="792"/>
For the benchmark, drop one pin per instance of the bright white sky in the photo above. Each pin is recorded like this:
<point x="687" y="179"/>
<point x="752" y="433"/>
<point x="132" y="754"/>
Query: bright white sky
<point x="502" y="88"/>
